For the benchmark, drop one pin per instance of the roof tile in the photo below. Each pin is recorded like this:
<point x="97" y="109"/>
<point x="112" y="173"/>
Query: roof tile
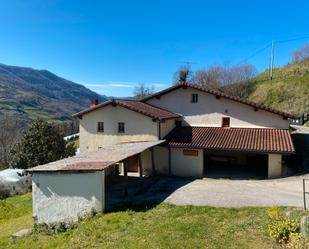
<point x="246" y="139"/>
<point x="137" y="106"/>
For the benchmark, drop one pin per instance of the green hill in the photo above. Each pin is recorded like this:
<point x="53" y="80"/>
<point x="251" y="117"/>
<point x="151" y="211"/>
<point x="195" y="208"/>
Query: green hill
<point x="287" y="91"/>
<point x="28" y="93"/>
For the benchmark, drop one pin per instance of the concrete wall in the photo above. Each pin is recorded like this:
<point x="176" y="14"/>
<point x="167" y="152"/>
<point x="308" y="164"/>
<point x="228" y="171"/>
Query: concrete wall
<point x="186" y="165"/>
<point x="209" y="110"/>
<point x="63" y="197"/>
<point x="138" y="127"/>
<point x="146" y="162"/>
<point x="166" y="127"/>
<point x="161" y="160"/>
<point x="274" y="165"/>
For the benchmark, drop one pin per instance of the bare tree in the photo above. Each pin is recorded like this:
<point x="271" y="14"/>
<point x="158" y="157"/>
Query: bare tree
<point x="183" y="75"/>
<point x="211" y="77"/>
<point x="9" y="135"/>
<point x="300" y="54"/>
<point x="240" y="73"/>
<point x="141" y="91"/>
<point x="216" y="76"/>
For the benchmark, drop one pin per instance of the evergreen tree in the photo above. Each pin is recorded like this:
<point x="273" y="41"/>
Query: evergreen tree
<point x="41" y="144"/>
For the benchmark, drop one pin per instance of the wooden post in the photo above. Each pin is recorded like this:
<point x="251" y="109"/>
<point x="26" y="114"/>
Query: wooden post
<point x="140" y="166"/>
<point x="304" y="194"/>
<point x="169" y="162"/>
<point x="153" y="162"/>
<point x="125" y="173"/>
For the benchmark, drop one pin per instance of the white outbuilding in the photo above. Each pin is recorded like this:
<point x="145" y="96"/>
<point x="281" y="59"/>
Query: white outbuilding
<point x="71" y="188"/>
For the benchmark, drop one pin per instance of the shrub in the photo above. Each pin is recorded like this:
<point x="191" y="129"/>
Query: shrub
<point x="54" y="228"/>
<point x="280" y="227"/>
<point x="296" y="242"/>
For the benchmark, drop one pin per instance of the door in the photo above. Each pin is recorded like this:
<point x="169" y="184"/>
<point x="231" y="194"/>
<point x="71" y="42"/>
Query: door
<point x="133" y="163"/>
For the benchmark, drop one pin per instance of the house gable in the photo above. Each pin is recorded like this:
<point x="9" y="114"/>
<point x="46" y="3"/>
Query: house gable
<point x="138" y="127"/>
<point x="211" y="108"/>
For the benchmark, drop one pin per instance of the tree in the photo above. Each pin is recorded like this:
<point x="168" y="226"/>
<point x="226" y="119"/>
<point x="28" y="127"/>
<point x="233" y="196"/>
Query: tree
<point x="41" y="144"/>
<point x="300" y="54"/>
<point x="141" y="91"/>
<point x="9" y="135"/>
<point x="216" y="76"/>
<point x="182" y="75"/>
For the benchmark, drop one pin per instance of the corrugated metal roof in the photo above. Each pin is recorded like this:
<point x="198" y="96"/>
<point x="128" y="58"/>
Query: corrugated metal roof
<point x="98" y="159"/>
<point x="137" y="106"/>
<point x="243" y="139"/>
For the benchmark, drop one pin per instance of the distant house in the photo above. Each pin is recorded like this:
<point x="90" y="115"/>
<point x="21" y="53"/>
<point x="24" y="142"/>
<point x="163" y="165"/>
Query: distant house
<point x="185" y="130"/>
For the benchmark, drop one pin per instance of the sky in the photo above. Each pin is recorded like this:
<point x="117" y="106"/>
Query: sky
<point x="112" y="46"/>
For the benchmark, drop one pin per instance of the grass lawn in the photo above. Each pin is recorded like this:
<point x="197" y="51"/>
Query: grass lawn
<point x="158" y="226"/>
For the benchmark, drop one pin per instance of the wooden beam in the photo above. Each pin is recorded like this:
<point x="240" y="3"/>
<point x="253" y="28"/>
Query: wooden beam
<point x="153" y="162"/>
<point x="125" y="173"/>
<point x="169" y="162"/>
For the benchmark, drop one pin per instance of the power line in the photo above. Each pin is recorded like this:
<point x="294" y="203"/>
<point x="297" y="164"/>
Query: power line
<point x="302" y="37"/>
<point x="254" y="54"/>
<point x="294" y="39"/>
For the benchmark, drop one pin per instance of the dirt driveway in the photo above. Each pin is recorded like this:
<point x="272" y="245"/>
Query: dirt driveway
<point x="229" y="193"/>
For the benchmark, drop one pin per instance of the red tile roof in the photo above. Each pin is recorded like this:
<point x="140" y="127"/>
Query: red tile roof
<point x="240" y="139"/>
<point x="221" y="94"/>
<point x="137" y="106"/>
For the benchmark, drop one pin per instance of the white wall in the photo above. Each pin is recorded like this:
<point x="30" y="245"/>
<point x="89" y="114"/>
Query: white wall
<point x="186" y="165"/>
<point x="138" y="127"/>
<point x="274" y="165"/>
<point x="63" y="197"/>
<point x="161" y="160"/>
<point x="146" y="162"/>
<point x="166" y="127"/>
<point x="209" y="110"/>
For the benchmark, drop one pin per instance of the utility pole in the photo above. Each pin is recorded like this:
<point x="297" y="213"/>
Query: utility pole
<point x="272" y="56"/>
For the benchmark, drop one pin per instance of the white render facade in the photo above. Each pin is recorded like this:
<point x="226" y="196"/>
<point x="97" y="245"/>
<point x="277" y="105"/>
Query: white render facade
<point x="183" y="131"/>
<point x="67" y="197"/>
<point x="208" y="111"/>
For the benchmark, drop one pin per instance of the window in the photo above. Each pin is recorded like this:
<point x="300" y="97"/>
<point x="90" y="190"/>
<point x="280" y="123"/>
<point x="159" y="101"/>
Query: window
<point x="194" y="98"/>
<point x="100" y="126"/>
<point x="121" y="127"/>
<point x="178" y="123"/>
<point x="225" y="122"/>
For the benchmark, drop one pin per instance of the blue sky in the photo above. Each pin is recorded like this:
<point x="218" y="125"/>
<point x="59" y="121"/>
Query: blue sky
<point x="110" y="46"/>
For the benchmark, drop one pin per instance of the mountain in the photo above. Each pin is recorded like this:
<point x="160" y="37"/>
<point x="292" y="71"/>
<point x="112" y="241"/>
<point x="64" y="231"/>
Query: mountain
<point x="287" y="91"/>
<point x="29" y="93"/>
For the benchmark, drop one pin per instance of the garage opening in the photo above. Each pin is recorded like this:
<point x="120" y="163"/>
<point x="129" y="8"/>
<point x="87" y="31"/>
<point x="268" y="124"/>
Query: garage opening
<point x="235" y="165"/>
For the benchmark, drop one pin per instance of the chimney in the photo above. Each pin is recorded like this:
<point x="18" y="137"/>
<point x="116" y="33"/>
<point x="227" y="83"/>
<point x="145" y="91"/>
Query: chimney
<point x="93" y="102"/>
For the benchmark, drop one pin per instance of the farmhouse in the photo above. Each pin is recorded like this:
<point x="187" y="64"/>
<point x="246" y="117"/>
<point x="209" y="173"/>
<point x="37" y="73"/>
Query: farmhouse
<point x="185" y="130"/>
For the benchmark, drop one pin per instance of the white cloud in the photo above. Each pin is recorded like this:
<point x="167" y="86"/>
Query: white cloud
<point x="120" y="85"/>
<point x="158" y="85"/>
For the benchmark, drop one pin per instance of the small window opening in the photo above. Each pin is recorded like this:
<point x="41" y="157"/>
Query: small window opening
<point x="194" y="98"/>
<point x="100" y="126"/>
<point x="121" y="127"/>
<point x="225" y="122"/>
